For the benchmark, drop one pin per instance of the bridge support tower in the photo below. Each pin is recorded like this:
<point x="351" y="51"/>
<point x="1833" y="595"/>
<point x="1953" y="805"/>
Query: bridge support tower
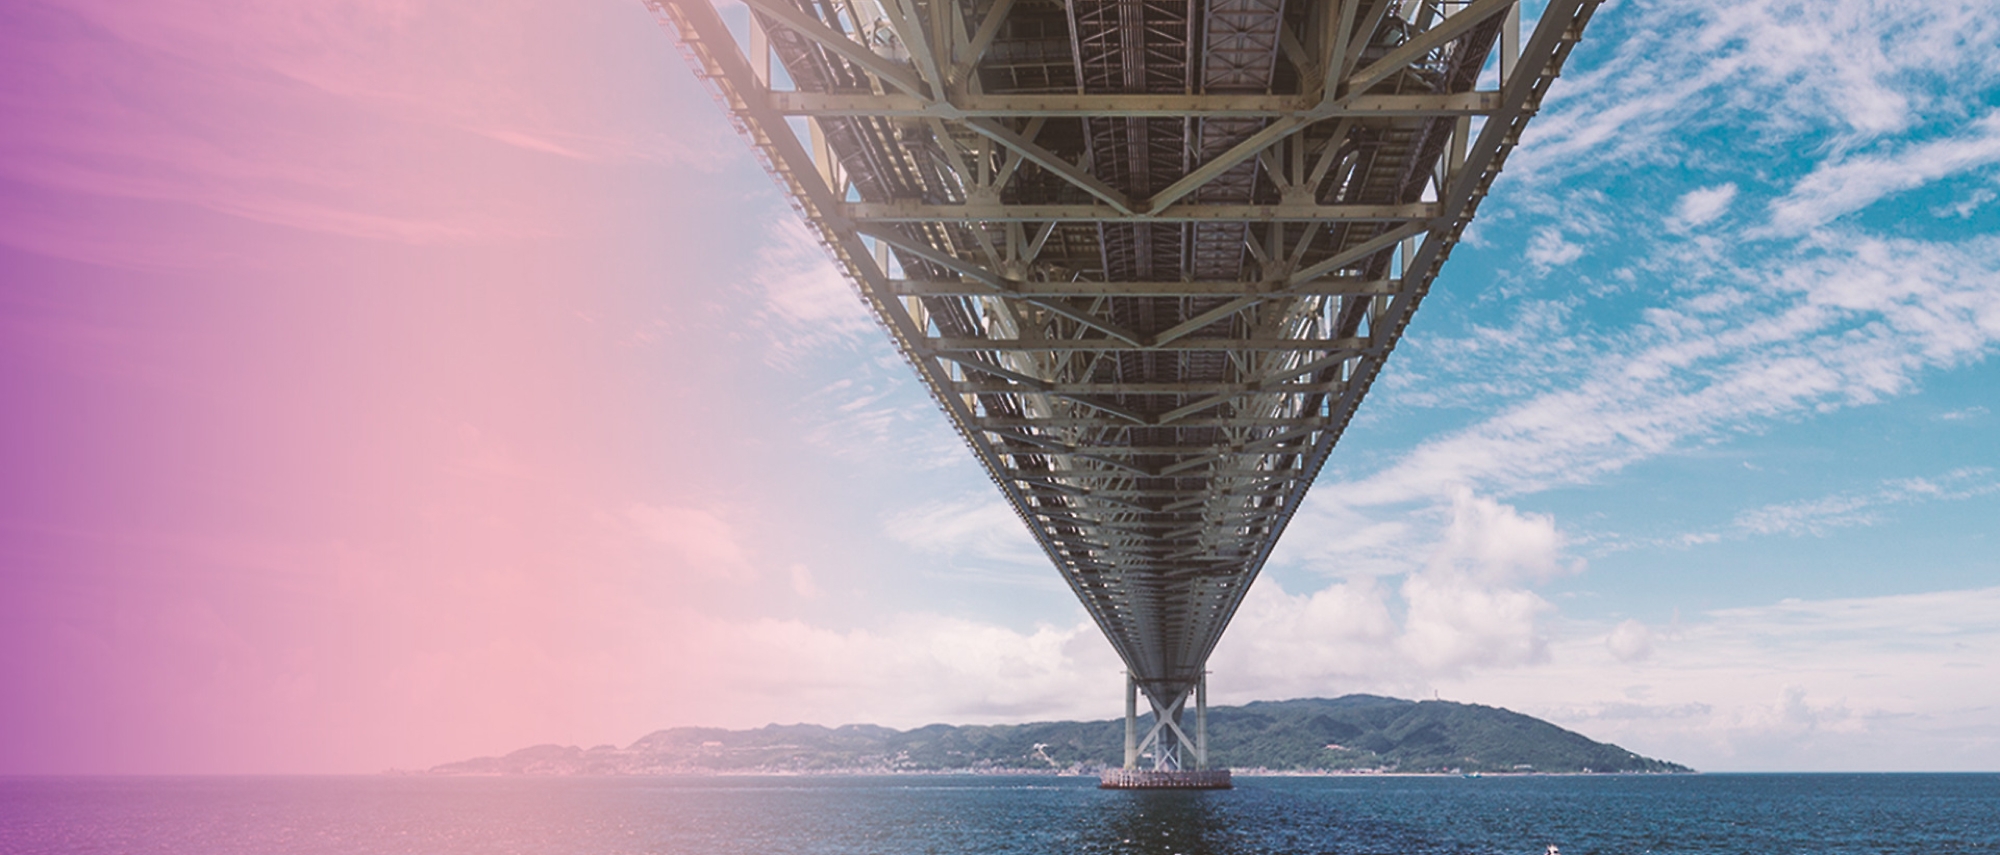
<point x="1175" y="761"/>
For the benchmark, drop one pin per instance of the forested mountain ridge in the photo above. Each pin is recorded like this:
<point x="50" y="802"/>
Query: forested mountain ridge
<point x="1352" y="733"/>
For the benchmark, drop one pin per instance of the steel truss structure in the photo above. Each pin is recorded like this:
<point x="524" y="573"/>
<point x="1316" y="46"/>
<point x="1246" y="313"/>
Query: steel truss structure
<point x="1148" y="254"/>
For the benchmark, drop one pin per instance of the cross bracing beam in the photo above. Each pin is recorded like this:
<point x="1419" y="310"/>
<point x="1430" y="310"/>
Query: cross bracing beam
<point x="996" y="212"/>
<point x="1117" y="388"/>
<point x="1136" y="106"/>
<point x="1170" y="525"/>
<point x="1137" y="498"/>
<point x="1221" y="481"/>
<point x="1148" y="255"/>
<point x="1059" y="422"/>
<point x="1351" y="346"/>
<point x="1094" y="452"/>
<point x="1333" y="286"/>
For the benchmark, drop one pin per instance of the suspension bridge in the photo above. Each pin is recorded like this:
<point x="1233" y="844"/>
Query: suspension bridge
<point x="1148" y="255"/>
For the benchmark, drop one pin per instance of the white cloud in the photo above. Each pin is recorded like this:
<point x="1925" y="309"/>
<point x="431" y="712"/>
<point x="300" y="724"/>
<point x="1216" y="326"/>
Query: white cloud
<point x="1454" y="623"/>
<point x="1872" y="683"/>
<point x="910" y="670"/>
<point x="1340" y="638"/>
<point x="808" y="305"/>
<point x="1462" y="604"/>
<point x="1702" y="206"/>
<point x="1490" y="541"/>
<point x="1864" y="683"/>
<point x="1819" y="515"/>
<point x="1822" y="514"/>
<point x="1844" y="186"/>
<point x="1548" y="249"/>
<point x="1758" y="71"/>
<point x="1969" y="205"/>
<point x="980" y="527"/>
<point x="1847" y="321"/>
<point x="872" y="408"/>
<point x="1630" y="641"/>
<point x="881" y="415"/>
<point x="1467" y="607"/>
<point x="1540" y="340"/>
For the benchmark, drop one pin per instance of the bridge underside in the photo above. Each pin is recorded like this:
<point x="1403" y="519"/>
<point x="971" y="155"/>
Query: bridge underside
<point x="1148" y="254"/>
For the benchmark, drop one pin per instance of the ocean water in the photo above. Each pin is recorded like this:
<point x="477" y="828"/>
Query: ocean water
<point x="940" y="815"/>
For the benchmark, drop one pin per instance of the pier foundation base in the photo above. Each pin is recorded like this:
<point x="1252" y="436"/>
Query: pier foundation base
<point x="1148" y="779"/>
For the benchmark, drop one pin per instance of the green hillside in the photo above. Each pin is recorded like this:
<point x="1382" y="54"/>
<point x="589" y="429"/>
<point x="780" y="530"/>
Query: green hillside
<point x="1352" y="733"/>
<point x="1369" y="732"/>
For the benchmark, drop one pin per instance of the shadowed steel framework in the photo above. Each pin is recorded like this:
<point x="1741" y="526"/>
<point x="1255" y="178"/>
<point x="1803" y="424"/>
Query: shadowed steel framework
<point x="1148" y="255"/>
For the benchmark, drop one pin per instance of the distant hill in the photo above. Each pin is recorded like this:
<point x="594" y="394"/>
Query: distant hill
<point x="1353" y="733"/>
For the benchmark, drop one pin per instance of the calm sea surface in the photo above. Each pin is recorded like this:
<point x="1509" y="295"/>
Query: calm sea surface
<point x="910" y="815"/>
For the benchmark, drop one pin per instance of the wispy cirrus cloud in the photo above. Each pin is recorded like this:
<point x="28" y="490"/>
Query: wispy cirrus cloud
<point x="94" y="116"/>
<point x="881" y="414"/>
<point x="1850" y="184"/>
<point x="978" y="527"/>
<point x="810" y="317"/>
<point x="805" y="304"/>
<point x="1831" y="325"/>
<point x="413" y="124"/>
<point x="484" y="68"/>
<point x="1761" y="71"/>
<point x="1817" y="516"/>
<point x="1793" y="313"/>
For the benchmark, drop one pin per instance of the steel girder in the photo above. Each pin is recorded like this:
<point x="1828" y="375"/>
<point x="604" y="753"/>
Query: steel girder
<point x="1148" y="255"/>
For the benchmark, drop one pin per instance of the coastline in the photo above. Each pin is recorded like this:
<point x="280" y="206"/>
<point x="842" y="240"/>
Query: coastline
<point x="865" y="772"/>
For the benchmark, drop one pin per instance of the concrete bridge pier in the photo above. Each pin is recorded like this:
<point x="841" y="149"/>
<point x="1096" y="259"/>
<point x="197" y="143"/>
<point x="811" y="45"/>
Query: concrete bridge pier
<point x="1164" y="742"/>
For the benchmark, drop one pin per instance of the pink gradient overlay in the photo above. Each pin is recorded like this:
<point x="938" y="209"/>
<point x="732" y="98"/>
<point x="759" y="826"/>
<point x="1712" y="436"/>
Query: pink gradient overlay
<point x="377" y="389"/>
<point x="389" y="382"/>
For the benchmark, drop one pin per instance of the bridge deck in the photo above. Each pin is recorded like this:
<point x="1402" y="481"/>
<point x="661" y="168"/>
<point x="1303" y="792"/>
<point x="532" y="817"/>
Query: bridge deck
<point x="1147" y="254"/>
